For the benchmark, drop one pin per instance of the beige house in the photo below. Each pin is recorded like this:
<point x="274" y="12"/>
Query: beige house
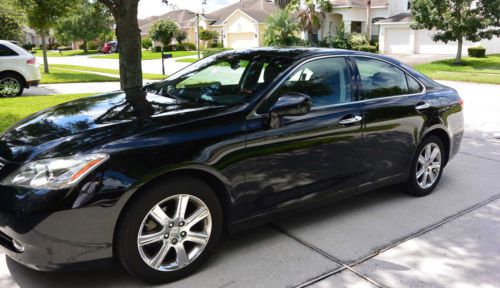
<point x="240" y="25"/>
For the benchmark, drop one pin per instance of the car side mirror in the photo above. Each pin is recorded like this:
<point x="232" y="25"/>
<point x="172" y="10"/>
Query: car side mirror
<point x="289" y="104"/>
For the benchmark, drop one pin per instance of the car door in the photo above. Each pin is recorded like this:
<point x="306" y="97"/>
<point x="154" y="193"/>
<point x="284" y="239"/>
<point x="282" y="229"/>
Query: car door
<point x="394" y="112"/>
<point x="307" y="156"/>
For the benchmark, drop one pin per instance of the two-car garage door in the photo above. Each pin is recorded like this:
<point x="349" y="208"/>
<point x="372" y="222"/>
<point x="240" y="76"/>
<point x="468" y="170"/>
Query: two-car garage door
<point x="240" y="40"/>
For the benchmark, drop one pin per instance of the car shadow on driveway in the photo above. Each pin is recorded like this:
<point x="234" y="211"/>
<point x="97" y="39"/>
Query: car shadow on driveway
<point x="244" y="249"/>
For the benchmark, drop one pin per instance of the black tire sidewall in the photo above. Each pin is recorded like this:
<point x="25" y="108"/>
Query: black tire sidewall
<point x="412" y="186"/>
<point x="129" y="224"/>
<point x="18" y="79"/>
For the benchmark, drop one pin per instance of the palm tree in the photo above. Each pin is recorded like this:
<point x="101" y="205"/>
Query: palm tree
<point x="282" y="3"/>
<point x="368" y="20"/>
<point x="281" y="29"/>
<point x="311" y="14"/>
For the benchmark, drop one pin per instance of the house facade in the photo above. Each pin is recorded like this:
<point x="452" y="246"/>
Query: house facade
<point x="242" y="25"/>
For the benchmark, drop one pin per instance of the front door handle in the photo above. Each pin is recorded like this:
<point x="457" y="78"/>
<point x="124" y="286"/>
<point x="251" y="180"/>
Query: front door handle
<point x="351" y="120"/>
<point x="422" y="106"/>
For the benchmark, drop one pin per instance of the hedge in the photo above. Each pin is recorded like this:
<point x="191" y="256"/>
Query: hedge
<point x="212" y="51"/>
<point x="478" y="52"/>
<point x="366" y="48"/>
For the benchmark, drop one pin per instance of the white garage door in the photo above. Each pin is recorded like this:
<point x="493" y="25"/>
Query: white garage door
<point x="241" y="40"/>
<point x="397" y="40"/>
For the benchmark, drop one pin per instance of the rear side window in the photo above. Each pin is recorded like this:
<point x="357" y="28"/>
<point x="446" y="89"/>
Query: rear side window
<point x="6" y="51"/>
<point x="381" y="79"/>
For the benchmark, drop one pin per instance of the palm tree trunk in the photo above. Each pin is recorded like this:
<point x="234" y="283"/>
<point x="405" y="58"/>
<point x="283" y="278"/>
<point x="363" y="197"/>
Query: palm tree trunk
<point x="368" y="19"/>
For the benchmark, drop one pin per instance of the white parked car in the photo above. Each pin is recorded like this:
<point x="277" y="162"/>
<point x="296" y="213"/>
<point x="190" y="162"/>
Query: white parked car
<point x="18" y="69"/>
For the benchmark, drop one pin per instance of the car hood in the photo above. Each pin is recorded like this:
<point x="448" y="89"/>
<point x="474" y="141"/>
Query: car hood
<point x="93" y="121"/>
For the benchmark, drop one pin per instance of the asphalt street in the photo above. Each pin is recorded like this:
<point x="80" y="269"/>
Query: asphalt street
<point x="383" y="238"/>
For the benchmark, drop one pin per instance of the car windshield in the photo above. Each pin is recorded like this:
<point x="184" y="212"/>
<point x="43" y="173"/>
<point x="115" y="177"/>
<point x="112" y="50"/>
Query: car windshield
<point x="225" y="79"/>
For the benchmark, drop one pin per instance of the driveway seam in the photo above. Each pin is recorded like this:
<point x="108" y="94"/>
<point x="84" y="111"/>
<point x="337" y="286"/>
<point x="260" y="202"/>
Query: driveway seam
<point x="350" y="267"/>
<point x="316" y="279"/>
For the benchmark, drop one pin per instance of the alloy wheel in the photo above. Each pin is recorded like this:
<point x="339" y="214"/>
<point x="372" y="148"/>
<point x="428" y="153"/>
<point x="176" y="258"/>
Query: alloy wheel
<point x="9" y="86"/>
<point x="428" y="165"/>
<point x="174" y="232"/>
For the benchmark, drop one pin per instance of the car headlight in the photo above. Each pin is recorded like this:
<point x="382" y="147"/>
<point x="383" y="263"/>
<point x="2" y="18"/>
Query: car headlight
<point x="55" y="173"/>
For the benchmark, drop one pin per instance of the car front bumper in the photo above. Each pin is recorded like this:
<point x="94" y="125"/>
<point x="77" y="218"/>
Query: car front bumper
<point x="63" y="240"/>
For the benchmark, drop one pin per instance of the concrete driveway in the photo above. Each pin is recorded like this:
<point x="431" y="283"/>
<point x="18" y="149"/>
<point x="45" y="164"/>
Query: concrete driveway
<point x="385" y="238"/>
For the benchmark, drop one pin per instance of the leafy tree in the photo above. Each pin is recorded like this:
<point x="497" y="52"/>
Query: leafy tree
<point x="86" y="22"/>
<point x="455" y="20"/>
<point x="281" y="29"/>
<point x="42" y="15"/>
<point x="11" y="26"/>
<point x="147" y="43"/>
<point x="163" y="31"/>
<point x="310" y="13"/>
<point x="180" y="36"/>
<point x="491" y="12"/>
<point x="129" y="39"/>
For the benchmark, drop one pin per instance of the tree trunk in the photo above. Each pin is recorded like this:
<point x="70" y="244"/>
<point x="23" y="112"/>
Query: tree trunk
<point x="458" y="59"/>
<point x="129" y="45"/>
<point x="85" y="47"/>
<point x="44" y="51"/>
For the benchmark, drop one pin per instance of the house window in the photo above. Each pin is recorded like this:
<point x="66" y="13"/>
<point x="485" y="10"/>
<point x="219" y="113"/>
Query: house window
<point x="356" y="26"/>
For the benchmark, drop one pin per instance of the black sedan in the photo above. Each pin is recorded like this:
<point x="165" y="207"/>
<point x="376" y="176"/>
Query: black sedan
<point x="151" y="177"/>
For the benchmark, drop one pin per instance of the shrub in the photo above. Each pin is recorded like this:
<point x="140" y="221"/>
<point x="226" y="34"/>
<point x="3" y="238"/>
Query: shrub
<point x="64" y="48"/>
<point x="189" y="46"/>
<point x="157" y="49"/>
<point x="356" y="39"/>
<point x="212" y="51"/>
<point x="366" y="48"/>
<point x="28" y="47"/>
<point x="93" y="45"/>
<point x="478" y="52"/>
<point x="52" y="46"/>
<point x="146" y="43"/>
<point x="216" y="45"/>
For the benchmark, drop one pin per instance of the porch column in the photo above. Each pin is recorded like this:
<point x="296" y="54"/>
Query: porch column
<point x="381" y="39"/>
<point x="347" y="26"/>
<point x="412" y="41"/>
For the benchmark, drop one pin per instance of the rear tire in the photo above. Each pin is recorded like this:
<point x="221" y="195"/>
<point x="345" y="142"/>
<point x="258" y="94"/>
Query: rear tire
<point x="11" y="85"/>
<point x="427" y="167"/>
<point x="159" y="242"/>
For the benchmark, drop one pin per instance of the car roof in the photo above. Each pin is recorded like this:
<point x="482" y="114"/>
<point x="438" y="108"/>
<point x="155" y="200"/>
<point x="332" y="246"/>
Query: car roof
<point x="298" y="53"/>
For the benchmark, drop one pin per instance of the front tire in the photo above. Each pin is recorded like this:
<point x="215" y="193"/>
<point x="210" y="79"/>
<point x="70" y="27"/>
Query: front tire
<point x="11" y="85"/>
<point x="169" y="230"/>
<point x="427" y="167"/>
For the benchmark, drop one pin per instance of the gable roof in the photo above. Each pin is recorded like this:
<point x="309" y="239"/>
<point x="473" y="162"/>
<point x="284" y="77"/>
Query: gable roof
<point x="182" y="17"/>
<point x="257" y="9"/>
<point x="359" y="3"/>
<point x="398" y="18"/>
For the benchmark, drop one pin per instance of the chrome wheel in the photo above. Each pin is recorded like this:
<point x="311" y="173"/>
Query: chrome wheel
<point x="428" y="165"/>
<point x="9" y="86"/>
<point x="174" y="232"/>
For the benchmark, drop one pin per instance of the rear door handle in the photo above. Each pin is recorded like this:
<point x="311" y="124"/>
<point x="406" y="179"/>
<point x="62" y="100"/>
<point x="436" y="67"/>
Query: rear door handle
<point x="422" y="106"/>
<point x="351" y="120"/>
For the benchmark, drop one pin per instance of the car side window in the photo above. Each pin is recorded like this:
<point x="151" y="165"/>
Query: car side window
<point x="6" y="51"/>
<point x="381" y="79"/>
<point x="326" y="81"/>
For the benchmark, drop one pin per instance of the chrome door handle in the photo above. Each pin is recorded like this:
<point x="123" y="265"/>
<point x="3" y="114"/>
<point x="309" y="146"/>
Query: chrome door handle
<point x="422" y="106"/>
<point x="352" y="120"/>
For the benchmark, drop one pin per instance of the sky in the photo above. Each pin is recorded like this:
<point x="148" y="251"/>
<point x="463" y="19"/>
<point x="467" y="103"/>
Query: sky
<point x="157" y="7"/>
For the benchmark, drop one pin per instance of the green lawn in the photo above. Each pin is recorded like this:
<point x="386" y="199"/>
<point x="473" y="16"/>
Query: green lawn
<point x="65" y="53"/>
<point x="480" y="70"/>
<point x="148" y="55"/>
<point x="149" y="76"/>
<point x="16" y="108"/>
<point x="67" y="76"/>
<point x="187" y="60"/>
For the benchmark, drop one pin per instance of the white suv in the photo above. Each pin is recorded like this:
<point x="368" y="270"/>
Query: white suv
<point x="18" y="69"/>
